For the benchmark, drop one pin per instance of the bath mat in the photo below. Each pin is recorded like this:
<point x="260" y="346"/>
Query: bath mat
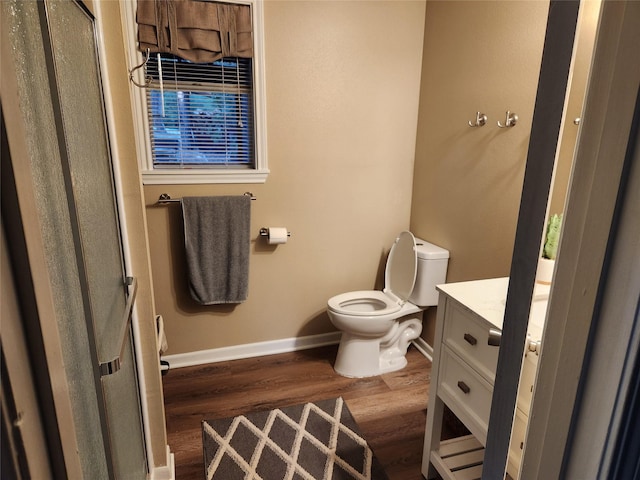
<point x="313" y="441"/>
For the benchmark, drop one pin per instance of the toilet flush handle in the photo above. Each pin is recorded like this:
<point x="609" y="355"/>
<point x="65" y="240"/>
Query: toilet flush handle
<point x="494" y="337"/>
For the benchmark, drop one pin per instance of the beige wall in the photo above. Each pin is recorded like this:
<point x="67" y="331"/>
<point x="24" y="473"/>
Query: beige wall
<point x="478" y="56"/>
<point x="342" y="104"/>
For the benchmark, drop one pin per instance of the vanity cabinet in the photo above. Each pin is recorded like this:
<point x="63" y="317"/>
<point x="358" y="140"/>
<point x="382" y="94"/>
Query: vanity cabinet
<point x="469" y="325"/>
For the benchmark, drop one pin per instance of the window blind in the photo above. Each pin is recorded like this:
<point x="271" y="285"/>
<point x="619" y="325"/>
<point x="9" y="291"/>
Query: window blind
<point x="201" y="114"/>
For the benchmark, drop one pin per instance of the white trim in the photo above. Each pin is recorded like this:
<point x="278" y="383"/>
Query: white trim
<point x="194" y="177"/>
<point x="151" y="176"/>
<point x="249" y="350"/>
<point x="423" y="347"/>
<point x="599" y="416"/>
<point x="132" y="58"/>
<point x="167" y="472"/>
<point x="272" y="347"/>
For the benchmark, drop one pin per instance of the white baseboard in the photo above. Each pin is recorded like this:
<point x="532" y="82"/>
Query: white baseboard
<point x="423" y="347"/>
<point x="249" y="350"/>
<point x="272" y="347"/>
<point x="167" y="472"/>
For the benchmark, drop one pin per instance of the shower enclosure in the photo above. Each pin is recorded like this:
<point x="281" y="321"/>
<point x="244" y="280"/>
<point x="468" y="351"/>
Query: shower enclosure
<point x="54" y="54"/>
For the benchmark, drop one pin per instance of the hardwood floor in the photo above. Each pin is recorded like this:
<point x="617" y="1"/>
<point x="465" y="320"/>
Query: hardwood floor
<point x="390" y="409"/>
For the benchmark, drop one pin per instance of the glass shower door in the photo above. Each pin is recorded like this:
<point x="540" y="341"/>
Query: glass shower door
<point x="60" y="93"/>
<point x="90" y="177"/>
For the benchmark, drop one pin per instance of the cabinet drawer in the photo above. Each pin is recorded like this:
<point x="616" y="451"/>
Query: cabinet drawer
<point x="468" y="336"/>
<point x="466" y="393"/>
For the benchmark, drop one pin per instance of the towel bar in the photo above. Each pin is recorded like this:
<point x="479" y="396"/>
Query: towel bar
<point x="166" y="198"/>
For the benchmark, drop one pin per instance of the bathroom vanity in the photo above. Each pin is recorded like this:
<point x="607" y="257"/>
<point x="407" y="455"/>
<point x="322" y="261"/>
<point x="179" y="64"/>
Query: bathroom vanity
<point x="466" y="345"/>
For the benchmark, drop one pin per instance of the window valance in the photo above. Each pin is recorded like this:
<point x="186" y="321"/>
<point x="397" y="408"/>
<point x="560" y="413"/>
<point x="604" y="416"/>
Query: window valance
<point x="198" y="31"/>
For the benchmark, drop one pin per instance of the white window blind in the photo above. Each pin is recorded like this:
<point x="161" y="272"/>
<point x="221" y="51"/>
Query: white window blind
<point x="201" y="115"/>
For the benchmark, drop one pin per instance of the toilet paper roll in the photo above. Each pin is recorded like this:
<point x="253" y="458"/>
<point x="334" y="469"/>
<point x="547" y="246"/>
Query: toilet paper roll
<point x="277" y="235"/>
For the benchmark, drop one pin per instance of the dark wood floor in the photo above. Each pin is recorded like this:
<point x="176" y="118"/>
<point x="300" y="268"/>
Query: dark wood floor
<point x="390" y="409"/>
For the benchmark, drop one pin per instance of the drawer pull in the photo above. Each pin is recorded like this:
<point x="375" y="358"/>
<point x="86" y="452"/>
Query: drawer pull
<point x="471" y="340"/>
<point x="464" y="387"/>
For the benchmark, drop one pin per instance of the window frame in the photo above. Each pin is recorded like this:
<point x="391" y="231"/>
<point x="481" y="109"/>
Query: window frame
<point x="161" y="175"/>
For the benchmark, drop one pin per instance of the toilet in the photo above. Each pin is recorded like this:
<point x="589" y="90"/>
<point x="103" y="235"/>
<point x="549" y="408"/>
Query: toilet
<point x="377" y="326"/>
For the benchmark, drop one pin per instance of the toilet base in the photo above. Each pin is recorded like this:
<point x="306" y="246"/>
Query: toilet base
<point x="387" y="366"/>
<point x="360" y="357"/>
<point x="357" y="357"/>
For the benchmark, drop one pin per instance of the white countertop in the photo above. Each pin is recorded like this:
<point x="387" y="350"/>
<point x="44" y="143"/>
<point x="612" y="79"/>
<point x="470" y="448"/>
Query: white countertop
<point x="487" y="298"/>
<point x="483" y="297"/>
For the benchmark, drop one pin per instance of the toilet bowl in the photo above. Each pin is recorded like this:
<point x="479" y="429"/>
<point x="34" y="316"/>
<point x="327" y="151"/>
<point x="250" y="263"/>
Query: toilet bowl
<point x="378" y="326"/>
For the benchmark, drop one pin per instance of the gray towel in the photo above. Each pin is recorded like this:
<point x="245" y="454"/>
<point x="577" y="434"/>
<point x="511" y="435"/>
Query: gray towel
<point x="216" y="237"/>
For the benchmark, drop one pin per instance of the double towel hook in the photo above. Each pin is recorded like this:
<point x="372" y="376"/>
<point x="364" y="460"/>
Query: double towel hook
<point x="481" y="119"/>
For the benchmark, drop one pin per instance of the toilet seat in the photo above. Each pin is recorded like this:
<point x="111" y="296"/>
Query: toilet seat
<point x="364" y="303"/>
<point x="400" y="278"/>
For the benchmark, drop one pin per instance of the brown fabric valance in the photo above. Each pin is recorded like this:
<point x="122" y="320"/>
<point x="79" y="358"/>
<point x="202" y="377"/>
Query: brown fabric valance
<point x="198" y="31"/>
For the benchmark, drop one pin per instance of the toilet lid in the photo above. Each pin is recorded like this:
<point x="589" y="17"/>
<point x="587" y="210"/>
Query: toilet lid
<point x="402" y="266"/>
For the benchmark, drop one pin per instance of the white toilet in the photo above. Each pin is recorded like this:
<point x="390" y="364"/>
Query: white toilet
<point x="377" y="326"/>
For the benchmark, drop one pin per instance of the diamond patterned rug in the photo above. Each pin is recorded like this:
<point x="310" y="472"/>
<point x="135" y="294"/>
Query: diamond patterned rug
<point x="314" y="441"/>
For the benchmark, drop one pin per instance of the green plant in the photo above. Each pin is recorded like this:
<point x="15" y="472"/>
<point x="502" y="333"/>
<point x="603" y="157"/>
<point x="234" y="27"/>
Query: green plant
<point x="552" y="237"/>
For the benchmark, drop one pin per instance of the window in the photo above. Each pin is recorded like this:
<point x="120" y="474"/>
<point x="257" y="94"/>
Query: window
<point x="200" y="114"/>
<point x="201" y="122"/>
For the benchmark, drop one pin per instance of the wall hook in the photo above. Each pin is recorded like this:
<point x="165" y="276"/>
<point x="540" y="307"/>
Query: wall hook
<point x="481" y="119"/>
<point x="510" y="120"/>
<point x="147" y="80"/>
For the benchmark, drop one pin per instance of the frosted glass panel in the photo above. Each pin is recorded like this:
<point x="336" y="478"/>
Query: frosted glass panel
<point x="90" y="166"/>
<point x="90" y="169"/>
<point x="21" y="20"/>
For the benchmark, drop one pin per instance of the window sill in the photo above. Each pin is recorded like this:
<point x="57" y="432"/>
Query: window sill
<point x="192" y="177"/>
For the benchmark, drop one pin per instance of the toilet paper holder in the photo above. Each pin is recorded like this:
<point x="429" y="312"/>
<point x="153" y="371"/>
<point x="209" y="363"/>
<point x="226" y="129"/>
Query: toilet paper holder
<point x="264" y="232"/>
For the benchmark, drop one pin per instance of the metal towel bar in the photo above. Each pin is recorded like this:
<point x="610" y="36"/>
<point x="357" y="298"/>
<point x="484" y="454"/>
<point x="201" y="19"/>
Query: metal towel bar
<point x="113" y="365"/>
<point x="166" y="198"/>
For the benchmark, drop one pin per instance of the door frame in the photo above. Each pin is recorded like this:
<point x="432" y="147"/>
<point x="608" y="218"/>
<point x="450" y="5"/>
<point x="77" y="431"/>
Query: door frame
<point x="597" y="181"/>
<point x="548" y="120"/>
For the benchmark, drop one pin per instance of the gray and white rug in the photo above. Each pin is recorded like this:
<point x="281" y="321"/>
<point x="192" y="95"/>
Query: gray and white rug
<point x="314" y="441"/>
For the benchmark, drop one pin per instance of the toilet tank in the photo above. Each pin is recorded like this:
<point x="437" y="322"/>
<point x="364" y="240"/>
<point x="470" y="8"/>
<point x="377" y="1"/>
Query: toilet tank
<point x="432" y="270"/>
